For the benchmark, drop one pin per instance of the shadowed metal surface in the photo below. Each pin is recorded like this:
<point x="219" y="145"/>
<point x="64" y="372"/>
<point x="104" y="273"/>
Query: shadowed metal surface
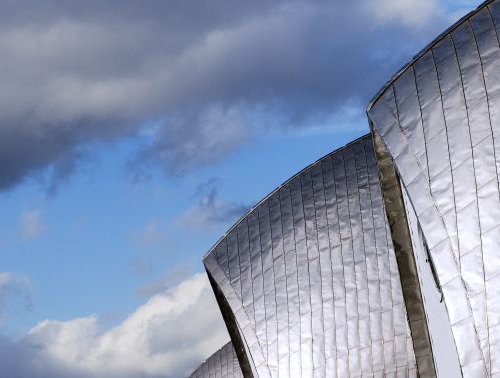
<point x="406" y="261"/>
<point x="439" y="120"/>
<point x="221" y="364"/>
<point x="311" y="277"/>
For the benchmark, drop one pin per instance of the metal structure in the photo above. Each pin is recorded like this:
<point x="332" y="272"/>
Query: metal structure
<point x="221" y="364"/>
<point x="308" y="282"/>
<point x="436" y="125"/>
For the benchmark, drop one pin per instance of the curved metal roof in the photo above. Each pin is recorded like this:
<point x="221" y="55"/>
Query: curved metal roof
<point x="221" y="364"/>
<point x="425" y="50"/>
<point x="439" y="121"/>
<point x="308" y="281"/>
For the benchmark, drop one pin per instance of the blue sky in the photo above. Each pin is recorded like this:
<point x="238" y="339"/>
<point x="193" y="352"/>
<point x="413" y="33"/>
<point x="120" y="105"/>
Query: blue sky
<point x="102" y="236"/>
<point x="133" y="138"/>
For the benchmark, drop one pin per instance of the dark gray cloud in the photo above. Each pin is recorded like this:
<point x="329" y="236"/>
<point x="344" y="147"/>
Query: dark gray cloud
<point x="22" y="359"/>
<point x="197" y="78"/>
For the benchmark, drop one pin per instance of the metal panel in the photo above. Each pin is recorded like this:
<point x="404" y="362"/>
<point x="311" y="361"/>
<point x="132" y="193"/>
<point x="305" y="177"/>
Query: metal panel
<point x="443" y="344"/>
<point x="327" y="298"/>
<point x="439" y="121"/>
<point x="221" y="364"/>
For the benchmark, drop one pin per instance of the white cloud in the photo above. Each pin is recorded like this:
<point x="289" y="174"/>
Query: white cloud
<point x="32" y="224"/>
<point x="412" y="13"/>
<point x="168" y="336"/>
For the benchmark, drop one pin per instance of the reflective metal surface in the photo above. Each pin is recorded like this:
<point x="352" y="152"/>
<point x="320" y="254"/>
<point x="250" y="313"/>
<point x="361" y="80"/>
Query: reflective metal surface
<point x="443" y="346"/>
<point x="406" y="260"/>
<point x="439" y="120"/>
<point x="310" y="279"/>
<point x="221" y="364"/>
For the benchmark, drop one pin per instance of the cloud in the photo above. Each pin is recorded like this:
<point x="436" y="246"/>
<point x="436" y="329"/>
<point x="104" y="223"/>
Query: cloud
<point x="197" y="139"/>
<point x="210" y="211"/>
<point x="15" y="293"/>
<point x="32" y="224"/>
<point x="414" y="13"/>
<point x="207" y="75"/>
<point x="168" y="336"/>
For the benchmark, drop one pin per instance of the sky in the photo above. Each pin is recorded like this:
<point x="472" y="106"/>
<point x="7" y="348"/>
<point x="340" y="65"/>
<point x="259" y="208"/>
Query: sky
<point x="134" y="134"/>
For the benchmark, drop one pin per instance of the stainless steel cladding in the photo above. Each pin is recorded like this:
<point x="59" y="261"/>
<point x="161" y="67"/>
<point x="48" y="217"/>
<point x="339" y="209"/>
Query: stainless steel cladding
<point x="308" y="281"/>
<point x="221" y="364"/>
<point x="439" y="121"/>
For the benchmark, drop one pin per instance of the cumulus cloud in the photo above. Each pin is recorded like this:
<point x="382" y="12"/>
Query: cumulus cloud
<point x="207" y="75"/>
<point x="166" y="337"/>
<point x="32" y="224"/>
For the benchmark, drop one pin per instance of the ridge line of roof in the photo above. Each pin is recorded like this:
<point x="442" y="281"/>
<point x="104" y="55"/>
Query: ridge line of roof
<point x="252" y="209"/>
<point x="427" y="48"/>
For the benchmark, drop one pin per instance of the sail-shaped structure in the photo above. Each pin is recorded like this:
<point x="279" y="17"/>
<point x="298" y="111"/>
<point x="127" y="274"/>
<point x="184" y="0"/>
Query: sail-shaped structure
<point x="436" y="126"/>
<point x="308" y="282"/>
<point x="221" y="364"/>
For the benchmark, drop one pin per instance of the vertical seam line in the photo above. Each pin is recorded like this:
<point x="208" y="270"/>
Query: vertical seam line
<point x="286" y="279"/>
<point x="352" y="246"/>
<point x="498" y="186"/>
<point x="274" y="280"/>
<point x="374" y="244"/>
<point x="297" y="273"/>
<point x="339" y="374"/>
<point x="308" y="270"/>
<point x="334" y="330"/>
<point x="263" y="285"/>
<point x="475" y="184"/>
<point x="319" y="260"/>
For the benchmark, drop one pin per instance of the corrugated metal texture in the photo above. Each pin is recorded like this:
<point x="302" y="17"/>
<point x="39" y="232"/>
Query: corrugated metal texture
<point x="311" y="276"/>
<point x="439" y="119"/>
<point x="221" y="364"/>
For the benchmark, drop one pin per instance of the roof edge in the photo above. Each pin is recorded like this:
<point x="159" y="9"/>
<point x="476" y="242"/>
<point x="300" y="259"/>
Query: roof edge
<point x="254" y="207"/>
<point x="209" y="357"/>
<point x="422" y="52"/>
